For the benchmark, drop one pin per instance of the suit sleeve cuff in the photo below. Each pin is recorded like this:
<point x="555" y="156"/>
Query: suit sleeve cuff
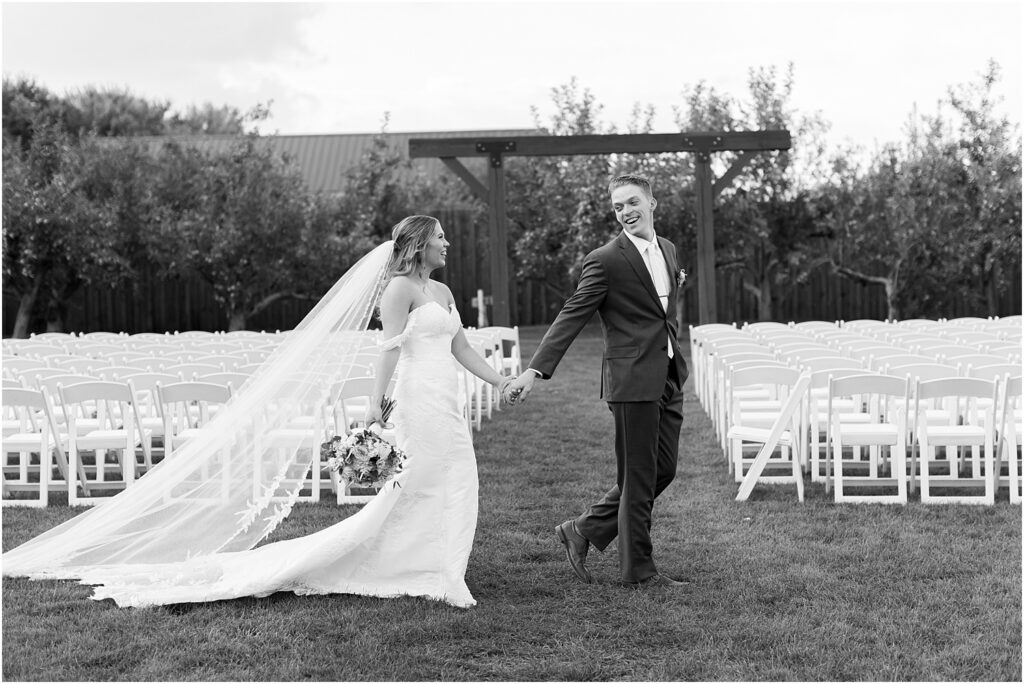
<point x="536" y="372"/>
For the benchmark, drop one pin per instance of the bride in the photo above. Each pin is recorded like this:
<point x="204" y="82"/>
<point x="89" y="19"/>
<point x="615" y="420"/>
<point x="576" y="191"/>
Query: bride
<point x="185" y="532"/>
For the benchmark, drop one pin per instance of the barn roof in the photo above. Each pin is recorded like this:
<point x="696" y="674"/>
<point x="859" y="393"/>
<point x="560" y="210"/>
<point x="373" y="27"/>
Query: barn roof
<point x="324" y="158"/>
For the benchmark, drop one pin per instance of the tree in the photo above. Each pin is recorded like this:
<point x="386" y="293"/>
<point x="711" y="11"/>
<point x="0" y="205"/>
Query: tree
<point x="207" y="120"/>
<point x="383" y="188"/>
<point x="55" y="239"/>
<point x="558" y="207"/>
<point x="766" y="223"/>
<point x="989" y="152"/>
<point x="903" y="215"/>
<point x="245" y="222"/>
<point x="115" y="112"/>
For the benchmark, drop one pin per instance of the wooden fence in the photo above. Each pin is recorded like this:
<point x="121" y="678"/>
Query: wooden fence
<point x="152" y="304"/>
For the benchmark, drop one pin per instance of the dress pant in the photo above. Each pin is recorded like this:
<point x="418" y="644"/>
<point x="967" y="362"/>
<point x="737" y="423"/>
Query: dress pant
<point x="646" y="452"/>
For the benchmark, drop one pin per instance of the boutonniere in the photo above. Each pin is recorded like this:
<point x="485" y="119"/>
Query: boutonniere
<point x="681" y="277"/>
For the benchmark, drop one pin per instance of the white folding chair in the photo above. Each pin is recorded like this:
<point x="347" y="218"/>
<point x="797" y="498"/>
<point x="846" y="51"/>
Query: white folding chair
<point x="117" y="432"/>
<point x="970" y="425"/>
<point x="186" y="407"/>
<point x="885" y="400"/>
<point x="815" y="413"/>
<point x="35" y="434"/>
<point x="751" y="420"/>
<point x="511" y="350"/>
<point x="151" y="415"/>
<point x="1010" y="430"/>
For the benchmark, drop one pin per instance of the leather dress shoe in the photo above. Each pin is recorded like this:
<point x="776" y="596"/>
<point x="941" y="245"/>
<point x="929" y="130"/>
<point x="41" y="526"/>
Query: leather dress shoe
<point x="576" y="547"/>
<point x="659" y="581"/>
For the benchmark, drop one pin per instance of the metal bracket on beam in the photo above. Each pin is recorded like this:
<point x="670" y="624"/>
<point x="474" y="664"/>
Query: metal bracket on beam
<point x="495" y="149"/>
<point x="704" y="155"/>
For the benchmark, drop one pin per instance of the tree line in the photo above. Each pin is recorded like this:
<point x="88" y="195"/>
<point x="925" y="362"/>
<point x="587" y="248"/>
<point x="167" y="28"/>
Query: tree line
<point x="932" y="218"/>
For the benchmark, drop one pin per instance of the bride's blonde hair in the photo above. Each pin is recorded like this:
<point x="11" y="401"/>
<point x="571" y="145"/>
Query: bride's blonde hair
<point x="411" y="236"/>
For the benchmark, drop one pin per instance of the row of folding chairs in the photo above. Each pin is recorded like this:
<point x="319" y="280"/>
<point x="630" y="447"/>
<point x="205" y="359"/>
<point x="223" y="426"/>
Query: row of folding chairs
<point x="45" y="418"/>
<point x="91" y="437"/>
<point x="733" y="366"/>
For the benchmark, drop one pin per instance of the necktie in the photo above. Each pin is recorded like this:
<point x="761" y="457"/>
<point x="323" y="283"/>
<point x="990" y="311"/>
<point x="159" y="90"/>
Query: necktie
<point x="659" y="274"/>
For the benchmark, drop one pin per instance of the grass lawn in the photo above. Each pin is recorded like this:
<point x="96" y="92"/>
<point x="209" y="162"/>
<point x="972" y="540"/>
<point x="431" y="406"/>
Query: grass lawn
<point x="781" y="590"/>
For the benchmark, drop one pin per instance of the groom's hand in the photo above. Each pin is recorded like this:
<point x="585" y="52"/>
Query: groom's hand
<point x="521" y="387"/>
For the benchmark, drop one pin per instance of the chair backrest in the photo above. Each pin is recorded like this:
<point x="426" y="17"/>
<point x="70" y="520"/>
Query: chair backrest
<point x="116" y="373"/>
<point x="103" y="335"/>
<point x="23" y="404"/>
<point x="147" y="382"/>
<point x="95" y="390"/>
<point x="17" y="364"/>
<point x="190" y="370"/>
<point x="190" y="391"/>
<point x="51" y="382"/>
<point x="960" y="397"/>
<point x="95" y="350"/>
<point x="763" y="375"/>
<point x="962" y="387"/>
<point x="12" y="382"/>
<point x="227" y="378"/>
<point x="147" y="363"/>
<point x="820" y="378"/>
<point x="885" y="397"/>
<point x="864" y="324"/>
<point x="186" y="404"/>
<point x="112" y="404"/>
<point x="877" y="362"/>
<point x="219" y="347"/>
<point x="815" y="365"/>
<point x="509" y="337"/>
<point x="994" y="371"/>
<point x="921" y="371"/>
<point x="825" y="326"/>
<point x="80" y="364"/>
<point x="156" y="349"/>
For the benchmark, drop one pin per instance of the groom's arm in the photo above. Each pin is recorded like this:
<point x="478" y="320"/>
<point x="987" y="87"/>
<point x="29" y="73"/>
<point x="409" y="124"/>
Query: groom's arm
<point x="575" y="314"/>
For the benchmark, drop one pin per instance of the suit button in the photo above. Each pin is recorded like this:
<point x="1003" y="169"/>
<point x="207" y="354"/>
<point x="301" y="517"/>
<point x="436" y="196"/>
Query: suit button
<point x="665" y="348"/>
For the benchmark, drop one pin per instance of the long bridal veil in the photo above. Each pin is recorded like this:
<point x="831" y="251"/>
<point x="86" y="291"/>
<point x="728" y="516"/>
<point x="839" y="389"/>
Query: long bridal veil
<point x="230" y="486"/>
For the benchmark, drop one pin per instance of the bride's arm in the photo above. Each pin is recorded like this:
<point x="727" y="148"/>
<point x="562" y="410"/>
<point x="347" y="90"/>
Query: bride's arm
<point x="395" y="303"/>
<point x="474" y="363"/>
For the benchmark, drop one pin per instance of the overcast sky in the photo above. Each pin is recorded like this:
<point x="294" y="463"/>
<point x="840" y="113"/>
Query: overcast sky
<point x="338" y="67"/>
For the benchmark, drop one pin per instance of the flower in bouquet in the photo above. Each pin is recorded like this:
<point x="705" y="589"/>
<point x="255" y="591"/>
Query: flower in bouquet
<point x="364" y="458"/>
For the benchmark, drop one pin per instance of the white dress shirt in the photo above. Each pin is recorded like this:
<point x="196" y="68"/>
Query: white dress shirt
<point x="656" y="266"/>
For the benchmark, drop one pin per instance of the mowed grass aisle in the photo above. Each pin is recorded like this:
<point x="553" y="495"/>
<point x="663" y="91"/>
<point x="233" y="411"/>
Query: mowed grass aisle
<point x="781" y="590"/>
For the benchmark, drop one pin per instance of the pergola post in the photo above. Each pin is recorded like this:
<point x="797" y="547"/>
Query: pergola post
<point x="707" y="298"/>
<point x="498" y="236"/>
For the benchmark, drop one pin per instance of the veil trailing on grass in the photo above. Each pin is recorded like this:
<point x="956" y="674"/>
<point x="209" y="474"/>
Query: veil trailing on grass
<point x="231" y="485"/>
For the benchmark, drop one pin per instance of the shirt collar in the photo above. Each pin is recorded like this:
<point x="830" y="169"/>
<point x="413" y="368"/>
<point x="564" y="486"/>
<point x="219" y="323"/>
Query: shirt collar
<point x="641" y="244"/>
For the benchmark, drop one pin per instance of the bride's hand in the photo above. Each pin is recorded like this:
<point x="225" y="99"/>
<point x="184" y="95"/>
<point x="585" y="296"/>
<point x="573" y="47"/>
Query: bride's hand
<point x="373" y="415"/>
<point x="506" y="397"/>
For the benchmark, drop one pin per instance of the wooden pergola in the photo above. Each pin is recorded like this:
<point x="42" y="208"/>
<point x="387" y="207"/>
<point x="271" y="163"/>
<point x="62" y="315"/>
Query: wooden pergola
<point x="703" y="144"/>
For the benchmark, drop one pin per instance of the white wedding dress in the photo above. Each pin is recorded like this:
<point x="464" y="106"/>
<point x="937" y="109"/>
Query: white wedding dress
<point x="412" y="539"/>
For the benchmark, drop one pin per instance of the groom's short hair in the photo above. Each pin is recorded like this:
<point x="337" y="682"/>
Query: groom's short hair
<point x="631" y="179"/>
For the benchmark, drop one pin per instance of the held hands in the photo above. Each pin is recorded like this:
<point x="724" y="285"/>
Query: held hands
<point x="517" y="390"/>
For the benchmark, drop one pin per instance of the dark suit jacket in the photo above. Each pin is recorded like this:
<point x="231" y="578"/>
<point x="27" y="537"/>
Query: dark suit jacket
<point x="617" y="285"/>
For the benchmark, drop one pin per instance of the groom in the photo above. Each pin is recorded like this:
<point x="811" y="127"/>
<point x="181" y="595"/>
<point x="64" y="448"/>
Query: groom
<point x="631" y="283"/>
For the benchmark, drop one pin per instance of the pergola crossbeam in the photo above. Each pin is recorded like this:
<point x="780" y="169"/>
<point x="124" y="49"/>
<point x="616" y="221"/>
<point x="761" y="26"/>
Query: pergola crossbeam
<point x="702" y="143"/>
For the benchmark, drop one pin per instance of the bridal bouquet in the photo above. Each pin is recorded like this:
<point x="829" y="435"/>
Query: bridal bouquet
<point x="364" y="458"/>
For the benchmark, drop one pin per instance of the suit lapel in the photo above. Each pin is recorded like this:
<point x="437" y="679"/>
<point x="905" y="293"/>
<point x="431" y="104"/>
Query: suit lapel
<point x="632" y="256"/>
<point x="670" y="263"/>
